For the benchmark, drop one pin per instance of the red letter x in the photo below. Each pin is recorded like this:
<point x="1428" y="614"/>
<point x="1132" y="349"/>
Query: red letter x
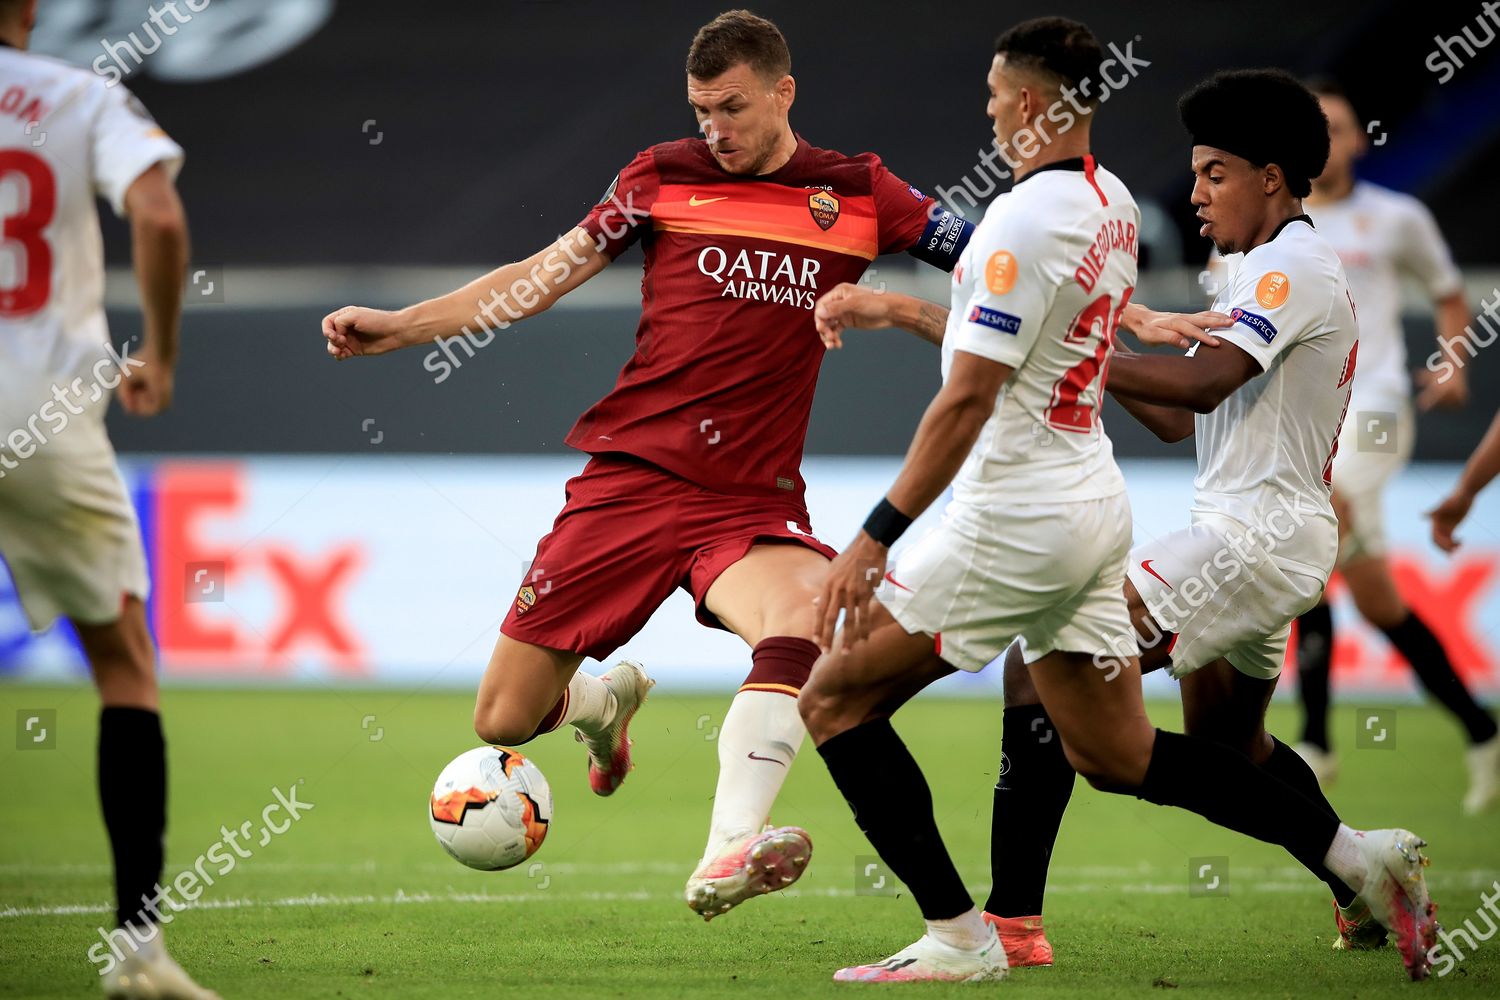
<point x="309" y="591"/>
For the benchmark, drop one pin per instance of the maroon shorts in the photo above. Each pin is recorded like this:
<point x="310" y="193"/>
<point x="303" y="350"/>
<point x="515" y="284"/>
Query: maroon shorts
<point x="629" y="534"/>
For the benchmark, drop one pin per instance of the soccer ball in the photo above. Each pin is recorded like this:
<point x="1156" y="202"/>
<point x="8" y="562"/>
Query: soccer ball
<point x="490" y="808"/>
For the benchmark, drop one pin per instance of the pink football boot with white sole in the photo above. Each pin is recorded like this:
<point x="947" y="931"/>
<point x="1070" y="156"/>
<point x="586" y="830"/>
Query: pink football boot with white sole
<point x="747" y="866"/>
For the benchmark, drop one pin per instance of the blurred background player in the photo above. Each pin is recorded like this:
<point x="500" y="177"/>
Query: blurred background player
<point x="1382" y="237"/>
<point x="1481" y="469"/>
<point x="67" y="528"/>
<point x="694" y="480"/>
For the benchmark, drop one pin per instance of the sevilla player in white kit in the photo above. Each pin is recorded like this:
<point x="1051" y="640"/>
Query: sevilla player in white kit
<point x="1034" y="544"/>
<point x="1383" y="236"/>
<point x="68" y="532"/>
<point x="1214" y="603"/>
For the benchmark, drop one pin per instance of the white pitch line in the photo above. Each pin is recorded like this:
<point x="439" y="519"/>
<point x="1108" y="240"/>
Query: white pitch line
<point x="1303" y="884"/>
<point x="325" y="899"/>
<point x="1469" y="877"/>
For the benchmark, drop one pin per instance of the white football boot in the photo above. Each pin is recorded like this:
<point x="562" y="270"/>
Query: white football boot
<point x="1395" y="890"/>
<point x="147" y="972"/>
<point x="609" y="749"/>
<point x="929" y="959"/>
<point x="1484" y="776"/>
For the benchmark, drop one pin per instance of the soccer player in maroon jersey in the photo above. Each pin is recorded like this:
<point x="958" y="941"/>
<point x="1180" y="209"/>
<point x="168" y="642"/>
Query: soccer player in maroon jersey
<point x="694" y="479"/>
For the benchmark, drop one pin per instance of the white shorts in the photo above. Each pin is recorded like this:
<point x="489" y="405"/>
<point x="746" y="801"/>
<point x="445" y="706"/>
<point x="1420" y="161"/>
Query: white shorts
<point x="1371" y="452"/>
<point x="68" y="531"/>
<point x="1051" y="574"/>
<point x="1218" y="599"/>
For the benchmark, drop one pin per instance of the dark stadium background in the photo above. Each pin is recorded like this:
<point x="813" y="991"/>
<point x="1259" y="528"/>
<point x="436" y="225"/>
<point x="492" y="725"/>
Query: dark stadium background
<point x="499" y="123"/>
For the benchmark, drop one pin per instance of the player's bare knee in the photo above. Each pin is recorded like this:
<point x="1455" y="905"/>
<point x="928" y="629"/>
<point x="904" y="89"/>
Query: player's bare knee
<point x="812" y="705"/>
<point x="1092" y="767"/>
<point x="125" y="680"/>
<point x="124" y="671"/>
<point x="1383" y="610"/>
<point x="1106" y="776"/>
<point x="501" y="725"/>
<point x="1114" y="765"/>
<point x="1097" y="777"/>
<point x="823" y="710"/>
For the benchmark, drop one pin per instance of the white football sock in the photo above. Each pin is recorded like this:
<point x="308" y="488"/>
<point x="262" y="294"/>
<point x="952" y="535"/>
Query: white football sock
<point x="967" y="931"/>
<point x="768" y="725"/>
<point x="1345" y="859"/>
<point x="591" y="704"/>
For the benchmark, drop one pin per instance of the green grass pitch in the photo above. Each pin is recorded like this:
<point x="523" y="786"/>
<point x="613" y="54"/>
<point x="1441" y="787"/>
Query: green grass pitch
<point x="357" y="900"/>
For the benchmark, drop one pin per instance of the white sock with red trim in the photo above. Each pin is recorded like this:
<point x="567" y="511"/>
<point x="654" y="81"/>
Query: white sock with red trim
<point x="758" y="740"/>
<point x="591" y="704"/>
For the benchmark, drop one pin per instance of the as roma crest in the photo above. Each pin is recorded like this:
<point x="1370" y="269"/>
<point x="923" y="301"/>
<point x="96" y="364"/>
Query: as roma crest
<point x="824" y="207"/>
<point x="525" y="598"/>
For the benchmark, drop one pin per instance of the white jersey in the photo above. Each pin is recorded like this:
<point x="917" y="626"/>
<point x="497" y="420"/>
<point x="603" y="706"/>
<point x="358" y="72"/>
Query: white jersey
<point x="1270" y="445"/>
<point x="1382" y="236"/>
<point x="66" y="138"/>
<point x="1040" y="288"/>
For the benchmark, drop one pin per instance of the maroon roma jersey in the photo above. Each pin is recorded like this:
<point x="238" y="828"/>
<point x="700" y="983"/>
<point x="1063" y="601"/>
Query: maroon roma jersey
<point x="720" y="387"/>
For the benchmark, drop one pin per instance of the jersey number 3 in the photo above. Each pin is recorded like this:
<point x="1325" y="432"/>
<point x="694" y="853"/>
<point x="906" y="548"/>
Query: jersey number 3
<point x="1073" y="407"/>
<point x="26" y="257"/>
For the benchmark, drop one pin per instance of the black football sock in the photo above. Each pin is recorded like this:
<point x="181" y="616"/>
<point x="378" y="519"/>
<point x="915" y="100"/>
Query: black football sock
<point x="1224" y="787"/>
<point x="1031" y="796"/>
<point x="133" y="792"/>
<point x="1286" y="766"/>
<point x="866" y="763"/>
<point x="1429" y="661"/>
<point x="1314" y="651"/>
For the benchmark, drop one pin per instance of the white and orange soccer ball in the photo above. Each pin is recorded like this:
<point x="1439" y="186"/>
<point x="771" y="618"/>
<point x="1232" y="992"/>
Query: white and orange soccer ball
<point x="490" y="808"/>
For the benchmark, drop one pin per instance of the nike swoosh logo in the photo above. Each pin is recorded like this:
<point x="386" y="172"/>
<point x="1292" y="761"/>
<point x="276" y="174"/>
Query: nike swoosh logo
<point x="1146" y="565"/>
<point x="695" y="201"/>
<point x="890" y="577"/>
<point x="771" y="760"/>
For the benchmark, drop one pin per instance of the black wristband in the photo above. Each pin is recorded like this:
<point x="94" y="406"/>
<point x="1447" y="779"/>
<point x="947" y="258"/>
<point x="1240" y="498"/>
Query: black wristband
<point x="885" y="523"/>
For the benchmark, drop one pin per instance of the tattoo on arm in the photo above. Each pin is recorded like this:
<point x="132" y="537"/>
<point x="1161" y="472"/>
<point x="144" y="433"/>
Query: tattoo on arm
<point x="932" y="320"/>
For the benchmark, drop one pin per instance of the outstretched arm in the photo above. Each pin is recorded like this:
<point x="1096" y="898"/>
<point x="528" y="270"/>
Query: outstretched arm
<point x="1166" y="329"/>
<point x="1483" y="466"/>
<point x="1198" y="381"/>
<point x="1169" y="423"/>
<point x="507" y="294"/>
<point x="855" y="307"/>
